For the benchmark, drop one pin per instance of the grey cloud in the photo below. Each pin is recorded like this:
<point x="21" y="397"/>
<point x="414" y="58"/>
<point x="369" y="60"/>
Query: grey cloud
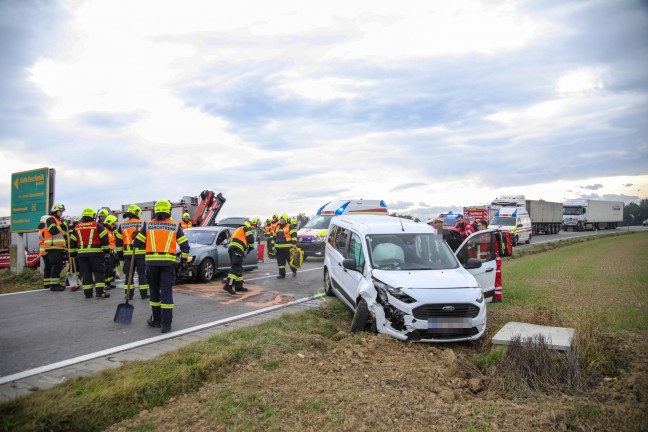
<point x="319" y="193"/>
<point x="107" y="120"/>
<point x="628" y="184"/>
<point x="422" y="204"/>
<point x="596" y="186"/>
<point x="407" y="186"/>
<point x="399" y="205"/>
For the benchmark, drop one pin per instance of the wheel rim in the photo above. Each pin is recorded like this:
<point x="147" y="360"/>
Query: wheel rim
<point x="209" y="270"/>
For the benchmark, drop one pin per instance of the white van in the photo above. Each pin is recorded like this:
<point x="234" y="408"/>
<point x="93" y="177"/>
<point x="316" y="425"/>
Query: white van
<point x="400" y="278"/>
<point x="310" y="238"/>
<point x="516" y="220"/>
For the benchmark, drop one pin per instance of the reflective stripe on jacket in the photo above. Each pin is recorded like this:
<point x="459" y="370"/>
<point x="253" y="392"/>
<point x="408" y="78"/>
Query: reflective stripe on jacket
<point x="125" y="235"/>
<point x="160" y="238"/>
<point x="285" y="237"/>
<point x="54" y="234"/>
<point x="89" y="237"/>
<point x="184" y="225"/>
<point x="242" y="239"/>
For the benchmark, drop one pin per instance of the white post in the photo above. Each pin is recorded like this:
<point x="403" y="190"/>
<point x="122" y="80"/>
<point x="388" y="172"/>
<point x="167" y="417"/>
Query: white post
<point x="18" y="261"/>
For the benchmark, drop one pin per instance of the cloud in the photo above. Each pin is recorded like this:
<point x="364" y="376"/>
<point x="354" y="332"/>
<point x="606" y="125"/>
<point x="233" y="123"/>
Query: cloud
<point x="592" y="187"/>
<point x="107" y="120"/>
<point x="399" y="205"/>
<point x="407" y="186"/>
<point x="422" y="204"/>
<point x="628" y="184"/>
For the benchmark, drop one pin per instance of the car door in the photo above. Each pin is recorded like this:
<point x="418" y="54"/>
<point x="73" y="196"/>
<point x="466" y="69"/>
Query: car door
<point x="481" y="245"/>
<point x="339" y="275"/>
<point x="350" y="280"/>
<point x="222" y="243"/>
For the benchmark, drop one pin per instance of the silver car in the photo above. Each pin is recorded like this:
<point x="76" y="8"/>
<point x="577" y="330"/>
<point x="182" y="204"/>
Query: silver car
<point x="209" y="253"/>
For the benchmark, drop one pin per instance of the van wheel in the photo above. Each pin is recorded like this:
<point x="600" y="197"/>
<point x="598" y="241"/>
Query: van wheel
<point x="359" y="322"/>
<point x="515" y="241"/>
<point x="328" y="288"/>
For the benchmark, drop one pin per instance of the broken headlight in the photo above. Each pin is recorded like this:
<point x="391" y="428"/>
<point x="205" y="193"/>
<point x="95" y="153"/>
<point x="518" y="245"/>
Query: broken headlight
<point x="397" y="293"/>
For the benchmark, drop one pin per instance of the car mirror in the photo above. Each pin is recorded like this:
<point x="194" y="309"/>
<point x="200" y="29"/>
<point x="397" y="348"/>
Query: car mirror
<point x="349" y="264"/>
<point x="519" y="225"/>
<point x="473" y="263"/>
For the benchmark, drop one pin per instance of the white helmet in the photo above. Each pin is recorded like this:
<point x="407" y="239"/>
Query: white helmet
<point x="57" y="206"/>
<point x="43" y="219"/>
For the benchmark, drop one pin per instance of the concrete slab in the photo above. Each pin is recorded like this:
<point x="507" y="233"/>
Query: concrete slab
<point x="558" y="338"/>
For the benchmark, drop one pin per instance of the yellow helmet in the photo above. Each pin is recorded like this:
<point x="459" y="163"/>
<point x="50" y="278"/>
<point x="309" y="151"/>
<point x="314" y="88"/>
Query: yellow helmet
<point x="285" y="217"/>
<point x="162" y="206"/>
<point x="110" y="220"/>
<point x="186" y="215"/>
<point x="102" y="212"/>
<point x="134" y="210"/>
<point x="255" y="221"/>
<point x="88" y="212"/>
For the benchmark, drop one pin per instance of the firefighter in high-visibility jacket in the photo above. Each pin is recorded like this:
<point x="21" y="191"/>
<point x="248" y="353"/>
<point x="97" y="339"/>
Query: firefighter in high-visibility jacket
<point x="110" y="224"/>
<point x="47" y="268"/>
<point x="273" y="230"/>
<point x="158" y="238"/>
<point x="285" y="239"/>
<point x="240" y="244"/>
<point x="267" y="231"/>
<point x="186" y="221"/>
<point x="124" y="236"/>
<point x="89" y="241"/>
<point x="55" y="243"/>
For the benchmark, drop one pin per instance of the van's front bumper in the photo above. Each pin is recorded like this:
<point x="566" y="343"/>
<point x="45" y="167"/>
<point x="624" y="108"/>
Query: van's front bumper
<point x="311" y="248"/>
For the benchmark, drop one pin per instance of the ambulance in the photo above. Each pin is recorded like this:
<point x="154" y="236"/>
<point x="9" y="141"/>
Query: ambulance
<point x="516" y="220"/>
<point x="312" y="236"/>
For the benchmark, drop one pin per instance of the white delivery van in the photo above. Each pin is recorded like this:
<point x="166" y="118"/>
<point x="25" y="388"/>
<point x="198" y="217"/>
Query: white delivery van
<point x="310" y="238"/>
<point x="400" y="278"/>
<point x="516" y="220"/>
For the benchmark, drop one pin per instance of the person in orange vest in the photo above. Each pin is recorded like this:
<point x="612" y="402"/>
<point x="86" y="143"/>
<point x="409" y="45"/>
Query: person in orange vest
<point x="110" y="224"/>
<point x="158" y="238"/>
<point x="240" y="244"/>
<point x="273" y="230"/>
<point x="55" y="243"/>
<point x="89" y="242"/>
<point x="124" y="236"/>
<point x="186" y="221"/>
<point x="285" y="239"/>
<point x="267" y="231"/>
<point x="47" y="268"/>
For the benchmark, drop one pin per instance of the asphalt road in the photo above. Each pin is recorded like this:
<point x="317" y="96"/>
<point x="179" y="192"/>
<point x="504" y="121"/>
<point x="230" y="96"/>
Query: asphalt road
<point x="41" y="327"/>
<point x="38" y="328"/>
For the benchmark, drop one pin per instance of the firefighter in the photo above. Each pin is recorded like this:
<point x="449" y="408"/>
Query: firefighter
<point x="110" y="224"/>
<point x="464" y="228"/>
<point x="89" y="241"/>
<point x="186" y="221"/>
<point x="158" y="238"/>
<point x="240" y="244"/>
<point x="267" y="230"/>
<point x="285" y="239"/>
<point x="102" y="214"/>
<point x="124" y="236"/>
<point x="47" y="268"/>
<point x="55" y="242"/>
<point x="273" y="231"/>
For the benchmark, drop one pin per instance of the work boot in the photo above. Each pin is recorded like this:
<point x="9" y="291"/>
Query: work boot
<point x="88" y="294"/>
<point x="101" y="294"/>
<point x="229" y="289"/>
<point x="153" y="323"/>
<point x="57" y="287"/>
<point x="144" y="294"/>
<point x="240" y="288"/>
<point x="166" y="329"/>
<point x="154" y="319"/>
<point x="294" y="273"/>
<point x="281" y="276"/>
<point x="166" y="317"/>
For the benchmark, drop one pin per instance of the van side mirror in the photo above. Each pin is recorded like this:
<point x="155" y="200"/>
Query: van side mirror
<point x="473" y="263"/>
<point x="349" y="264"/>
<point x="519" y="225"/>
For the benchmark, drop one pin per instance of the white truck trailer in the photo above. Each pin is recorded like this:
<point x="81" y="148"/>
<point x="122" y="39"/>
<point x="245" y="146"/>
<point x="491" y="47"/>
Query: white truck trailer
<point x="546" y="216"/>
<point x="584" y="214"/>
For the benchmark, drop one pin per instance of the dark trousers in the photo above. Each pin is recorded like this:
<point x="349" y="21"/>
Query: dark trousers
<point x="283" y="258"/>
<point x="92" y="270"/>
<point x="270" y="246"/>
<point x="47" y="270"/>
<point x="235" y="274"/>
<point x="110" y="268"/>
<point x="56" y="266"/>
<point x="140" y="268"/>
<point x="161" y="279"/>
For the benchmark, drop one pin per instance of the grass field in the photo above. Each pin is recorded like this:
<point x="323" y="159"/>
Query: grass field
<point x="306" y="372"/>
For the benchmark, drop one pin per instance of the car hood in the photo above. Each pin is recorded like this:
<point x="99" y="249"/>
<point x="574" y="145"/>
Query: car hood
<point x="427" y="279"/>
<point x="311" y="232"/>
<point x="198" y="248"/>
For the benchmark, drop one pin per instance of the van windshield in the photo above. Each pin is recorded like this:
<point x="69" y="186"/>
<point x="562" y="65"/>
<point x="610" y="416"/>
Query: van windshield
<point x="503" y="220"/>
<point x="405" y="251"/>
<point x="319" y="222"/>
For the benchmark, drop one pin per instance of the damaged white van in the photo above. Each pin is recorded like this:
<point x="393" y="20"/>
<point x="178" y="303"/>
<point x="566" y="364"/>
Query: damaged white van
<point x="400" y="278"/>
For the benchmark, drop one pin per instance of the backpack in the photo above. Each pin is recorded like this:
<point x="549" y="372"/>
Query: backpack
<point x="296" y="258"/>
<point x="504" y="245"/>
<point x="453" y="238"/>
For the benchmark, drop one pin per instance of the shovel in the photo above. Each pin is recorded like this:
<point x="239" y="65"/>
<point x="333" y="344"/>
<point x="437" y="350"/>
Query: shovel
<point x="124" y="312"/>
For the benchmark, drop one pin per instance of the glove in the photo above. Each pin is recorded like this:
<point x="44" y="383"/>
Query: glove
<point x="184" y="263"/>
<point x="73" y="254"/>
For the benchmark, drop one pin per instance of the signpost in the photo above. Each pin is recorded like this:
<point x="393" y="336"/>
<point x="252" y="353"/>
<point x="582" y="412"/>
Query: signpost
<point x="31" y="195"/>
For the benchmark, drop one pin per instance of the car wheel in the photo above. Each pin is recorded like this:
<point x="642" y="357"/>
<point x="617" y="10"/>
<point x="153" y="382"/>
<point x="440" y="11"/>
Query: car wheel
<point x="360" y="317"/>
<point x="515" y="241"/>
<point x="528" y="241"/>
<point x="328" y="288"/>
<point x="206" y="270"/>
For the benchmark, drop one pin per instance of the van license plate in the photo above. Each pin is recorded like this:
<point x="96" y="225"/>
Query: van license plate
<point x="439" y="323"/>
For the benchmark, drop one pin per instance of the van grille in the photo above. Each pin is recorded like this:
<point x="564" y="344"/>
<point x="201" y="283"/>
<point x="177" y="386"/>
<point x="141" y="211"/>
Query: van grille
<point x="461" y="310"/>
<point x="441" y="333"/>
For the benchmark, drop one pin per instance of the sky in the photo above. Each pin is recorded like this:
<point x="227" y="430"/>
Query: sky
<point x="283" y="106"/>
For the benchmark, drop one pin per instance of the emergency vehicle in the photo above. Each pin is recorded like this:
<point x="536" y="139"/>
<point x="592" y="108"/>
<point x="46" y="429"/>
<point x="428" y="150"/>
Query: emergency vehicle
<point x="516" y="220"/>
<point x="311" y="237"/>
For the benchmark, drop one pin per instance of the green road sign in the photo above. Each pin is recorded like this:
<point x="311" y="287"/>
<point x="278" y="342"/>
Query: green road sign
<point x="30" y="191"/>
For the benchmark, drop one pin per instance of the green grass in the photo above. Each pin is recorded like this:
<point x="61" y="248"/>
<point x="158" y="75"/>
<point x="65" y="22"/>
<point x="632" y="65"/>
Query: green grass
<point x="29" y="279"/>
